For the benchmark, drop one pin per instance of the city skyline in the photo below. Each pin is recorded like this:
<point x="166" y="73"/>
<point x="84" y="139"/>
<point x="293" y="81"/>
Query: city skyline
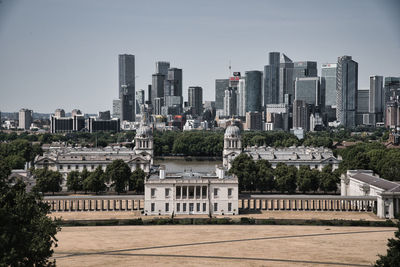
<point x="208" y="37"/>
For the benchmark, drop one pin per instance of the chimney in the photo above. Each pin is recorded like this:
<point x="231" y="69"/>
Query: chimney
<point x="162" y="171"/>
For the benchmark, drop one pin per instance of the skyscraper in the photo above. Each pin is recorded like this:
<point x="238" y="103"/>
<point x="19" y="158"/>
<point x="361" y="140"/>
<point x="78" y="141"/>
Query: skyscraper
<point x="302" y="69"/>
<point x="127" y="86"/>
<point x="195" y="97"/>
<point x="362" y="115"/>
<point x="253" y="88"/>
<point x="301" y="116"/>
<point x="308" y="89"/>
<point x="270" y="93"/>
<point x="230" y="98"/>
<point x="328" y="83"/>
<point x="162" y="67"/>
<point x="157" y="86"/>
<point x="241" y="103"/>
<point x="346" y="89"/>
<point x="174" y="79"/>
<point x="220" y="86"/>
<point x="286" y="81"/>
<point x="25" y="119"/>
<point x="376" y="99"/>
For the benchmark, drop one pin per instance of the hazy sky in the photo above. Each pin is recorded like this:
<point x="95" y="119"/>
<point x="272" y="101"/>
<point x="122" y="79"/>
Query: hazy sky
<point x="64" y="53"/>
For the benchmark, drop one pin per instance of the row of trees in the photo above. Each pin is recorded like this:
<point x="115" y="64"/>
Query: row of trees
<point x="260" y="176"/>
<point x="372" y="156"/>
<point x="117" y="173"/>
<point x="19" y="151"/>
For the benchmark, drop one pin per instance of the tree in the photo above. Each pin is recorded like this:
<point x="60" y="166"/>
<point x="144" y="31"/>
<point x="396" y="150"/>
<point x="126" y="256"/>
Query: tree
<point x="74" y="181"/>
<point x="315" y="179"/>
<point x="328" y="181"/>
<point x="48" y="180"/>
<point x="27" y="234"/>
<point x="246" y="171"/>
<point x="265" y="174"/>
<point x="83" y="176"/>
<point x="136" y="181"/>
<point x="15" y="162"/>
<point x="392" y="257"/>
<point x="285" y="177"/>
<point x="95" y="181"/>
<point x="304" y="179"/>
<point x="119" y="173"/>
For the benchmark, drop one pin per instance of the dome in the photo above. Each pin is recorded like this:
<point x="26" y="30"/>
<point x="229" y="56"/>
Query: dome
<point x="143" y="131"/>
<point x="232" y="131"/>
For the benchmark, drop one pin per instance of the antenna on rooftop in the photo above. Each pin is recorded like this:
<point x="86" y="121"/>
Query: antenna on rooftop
<point x="230" y="68"/>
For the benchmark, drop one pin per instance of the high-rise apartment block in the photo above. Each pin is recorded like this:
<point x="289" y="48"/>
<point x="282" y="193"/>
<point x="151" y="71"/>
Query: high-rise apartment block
<point x="25" y="119"/>
<point x="127" y="86"/>
<point x="195" y="97"/>
<point x="346" y="89"/>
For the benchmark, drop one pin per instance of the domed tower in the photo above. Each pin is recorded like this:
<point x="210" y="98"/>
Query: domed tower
<point x="232" y="145"/>
<point x="144" y="141"/>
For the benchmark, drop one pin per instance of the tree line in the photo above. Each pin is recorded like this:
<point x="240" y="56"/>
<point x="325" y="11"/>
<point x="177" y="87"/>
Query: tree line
<point x="259" y="176"/>
<point x="372" y="156"/>
<point x="117" y="173"/>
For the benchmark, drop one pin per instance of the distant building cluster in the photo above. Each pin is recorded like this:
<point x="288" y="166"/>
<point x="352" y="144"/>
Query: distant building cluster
<point x="285" y="95"/>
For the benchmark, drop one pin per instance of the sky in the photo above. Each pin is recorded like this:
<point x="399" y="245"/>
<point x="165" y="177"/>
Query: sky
<point x="64" y="53"/>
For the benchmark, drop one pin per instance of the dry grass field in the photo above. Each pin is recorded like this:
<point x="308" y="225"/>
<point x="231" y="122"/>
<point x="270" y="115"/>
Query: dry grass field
<point x="220" y="245"/>
<point x="322" y="215"/>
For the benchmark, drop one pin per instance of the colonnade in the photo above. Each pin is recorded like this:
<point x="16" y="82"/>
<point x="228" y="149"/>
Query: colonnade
<point x="97" y="204"/>
<point x="365" y="204"/>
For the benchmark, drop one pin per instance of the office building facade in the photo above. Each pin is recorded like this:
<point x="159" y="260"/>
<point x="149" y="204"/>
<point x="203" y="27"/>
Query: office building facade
<point x="220" y="86"/>
<point x="127" y="86"/>
<point x="253" y="91"/>
<point x="308" y="90"/>
<point x="376" y="99"/>
<point x="271" y="80"/>
<point x="195" y="97"/>
<point x="346" y="89"/>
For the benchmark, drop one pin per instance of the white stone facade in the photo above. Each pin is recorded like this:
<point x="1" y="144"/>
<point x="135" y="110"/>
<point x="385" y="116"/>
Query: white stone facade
<point x="365" y="183"/>
<point x="67" y="159"/>
<point x="191" y="193"/>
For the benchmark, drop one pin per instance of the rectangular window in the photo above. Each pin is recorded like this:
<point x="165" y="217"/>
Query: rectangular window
<point x="92" y="167"/>
<point x="84" y="166"/>
<point x="198" y="207"/>
<point x="178" y="207"/>
<point x="166" y="206"/>
<point x="184" y="191"/>
<point x="204" y="207"/>
<point x="153" y="206"/>
<point x="191" y="192"/>
<point x="166" y="192"/>
<point x="215" y="206"/>
<point x="204" y="191"/>
<point x="178" y="192"/>
<point x="184" y="207"/>
<point x="76" y="167"/>
<point x="215" y="192"/>
<point x="61" y="167"/>
<point x="198" y="192"/>
<point x="230" y="192"/>
<point x="69" y="167"/>
<point x="153" y="192"/>
<point x="229" y="206"/>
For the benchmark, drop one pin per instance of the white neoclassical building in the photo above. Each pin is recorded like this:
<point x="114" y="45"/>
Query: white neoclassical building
<point x="365" y="183"/>
<point x="67" y="159"/>
<point x="191" y="193"/>
<point x="314" y="157"/>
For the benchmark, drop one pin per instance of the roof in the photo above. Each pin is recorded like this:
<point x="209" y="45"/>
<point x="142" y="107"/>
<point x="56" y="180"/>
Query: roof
<point x="377" y="182"/>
